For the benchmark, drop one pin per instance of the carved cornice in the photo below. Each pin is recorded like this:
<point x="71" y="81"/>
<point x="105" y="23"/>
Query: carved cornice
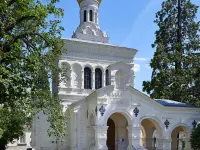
<point x="90" y="31"/>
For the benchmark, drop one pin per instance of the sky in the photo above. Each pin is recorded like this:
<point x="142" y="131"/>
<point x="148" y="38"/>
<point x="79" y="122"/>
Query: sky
<point x="128" y="23"/>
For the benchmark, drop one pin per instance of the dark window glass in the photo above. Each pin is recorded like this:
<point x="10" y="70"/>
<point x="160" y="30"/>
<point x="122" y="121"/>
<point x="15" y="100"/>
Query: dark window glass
<point x="87" y="78"/>
<point x="91" y="15"/>
<point x="85" y="15"/>
<point x="107" y="77"/>
<point x="98" y="78"/>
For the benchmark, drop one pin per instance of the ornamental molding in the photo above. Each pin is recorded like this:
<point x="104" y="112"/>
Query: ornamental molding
<point x="102" y="101"/>
<point x="90" y="31"/>
<point x="73" y="45"/>
<point x="119" y="101"/>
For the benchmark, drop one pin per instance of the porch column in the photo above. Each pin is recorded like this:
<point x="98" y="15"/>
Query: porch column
<point x="130" y="145"/>
<point x="136" y="136"/>
<point x="187" y="141"/>
<point x="159" y="143"/>
<point x="101" y="137"/>
<point x="167" y="144"/>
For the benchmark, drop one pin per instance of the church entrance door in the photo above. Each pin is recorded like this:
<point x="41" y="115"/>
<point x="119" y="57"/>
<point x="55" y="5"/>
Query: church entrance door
<point x="111" y="135"/>
<point x="117" y="133"/>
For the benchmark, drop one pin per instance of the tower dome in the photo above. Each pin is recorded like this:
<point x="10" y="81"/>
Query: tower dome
<point x="79" y="1"/>
<point x="89" y="23"/>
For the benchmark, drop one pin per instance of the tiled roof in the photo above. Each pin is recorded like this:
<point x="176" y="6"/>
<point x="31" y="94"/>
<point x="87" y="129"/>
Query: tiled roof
<point x="171" y="103"/>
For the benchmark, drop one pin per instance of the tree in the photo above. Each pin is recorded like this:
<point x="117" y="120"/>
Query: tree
<point x="195" y="138"/>
<point x="30" y="45"/>
<point x="176" y="62"/>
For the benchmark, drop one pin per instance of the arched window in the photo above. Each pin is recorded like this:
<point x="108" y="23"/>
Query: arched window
<point x="91" y="15"/>
<point x="98" y="78"/>
<point x="107" y="77"/>
<point x="85" y="15"/>
<point x="87" y="78"/>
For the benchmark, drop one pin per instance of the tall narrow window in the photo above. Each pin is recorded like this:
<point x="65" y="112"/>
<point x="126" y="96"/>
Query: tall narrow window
<point x="98" y="78"/>
<point x="107" y="77"/>
<point x="87" y="78"/>
<point x="91" y="15"/>
<point x="85" y="15"/>
<point x="22" y="139"/>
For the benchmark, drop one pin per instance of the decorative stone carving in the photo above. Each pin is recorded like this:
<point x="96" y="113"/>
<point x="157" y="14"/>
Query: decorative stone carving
<point x="90" y="31"/>
<point x="102" y="101"/>
<point x="167" y="123"/>
<point x="194" y="123"/>
<point x="136" y="111"/>
<point x="102" y="110"/>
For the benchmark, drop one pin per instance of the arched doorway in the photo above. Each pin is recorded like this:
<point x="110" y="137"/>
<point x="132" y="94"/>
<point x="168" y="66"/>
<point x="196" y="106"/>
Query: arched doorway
<point x="150" y="134"/>
<point x="117" y="133"/>
<point x="111" y="134"/>
<point x="179" y="137"/>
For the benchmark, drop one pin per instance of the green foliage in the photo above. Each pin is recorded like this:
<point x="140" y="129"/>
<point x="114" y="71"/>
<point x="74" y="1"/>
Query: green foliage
<point x="195" y="138"/>
<point x="176" y="62"/>
<point x="30" y="45"/>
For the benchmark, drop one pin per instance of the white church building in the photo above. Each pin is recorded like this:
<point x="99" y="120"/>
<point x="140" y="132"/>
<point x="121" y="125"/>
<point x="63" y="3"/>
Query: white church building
<point x="104" y="110"/>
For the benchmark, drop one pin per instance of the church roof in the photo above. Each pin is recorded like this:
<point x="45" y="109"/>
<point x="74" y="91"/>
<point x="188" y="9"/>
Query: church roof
<point x="171" y="103"/>
<point x="79" y="1"/>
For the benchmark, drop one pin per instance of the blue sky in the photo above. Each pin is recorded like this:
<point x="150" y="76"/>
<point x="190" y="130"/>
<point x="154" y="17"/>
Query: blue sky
<point x="128" y="23"/>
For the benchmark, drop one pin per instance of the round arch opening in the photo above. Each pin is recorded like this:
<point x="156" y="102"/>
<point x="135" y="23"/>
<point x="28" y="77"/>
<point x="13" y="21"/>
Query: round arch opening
<point x="117" y="133"/>
<point x="179" y="137"/>
<point x="150" y="132"/>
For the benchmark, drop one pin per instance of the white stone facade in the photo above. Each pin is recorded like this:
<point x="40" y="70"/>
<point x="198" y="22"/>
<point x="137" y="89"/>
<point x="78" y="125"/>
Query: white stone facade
<point x="107" y="112"/>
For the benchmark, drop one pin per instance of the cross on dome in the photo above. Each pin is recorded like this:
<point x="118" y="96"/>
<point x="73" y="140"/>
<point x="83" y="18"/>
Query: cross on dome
<point x="89" y="29"/>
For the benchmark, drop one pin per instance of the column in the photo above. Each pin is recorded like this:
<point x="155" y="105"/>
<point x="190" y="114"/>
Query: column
<point x="93" y="15"/>
<point x="103" y="78"/>
<point x="81" y="16"/>
<point x="159" y="143"/>
<point x="69" y="78"/>
<point x="93" y="80"/>
<point x="187" y="141"/>
<point x="88" y="15"/>
<point x="101" y="137"/>
<point x="136" y="136"/>
<point x="97" y="19"/>
<point x="130" y="146"/>
<point x="82" y="79"/>
<point x="166" y="144"/>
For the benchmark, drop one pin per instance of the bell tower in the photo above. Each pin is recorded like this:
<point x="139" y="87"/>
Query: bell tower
<point x="89" y="29"/>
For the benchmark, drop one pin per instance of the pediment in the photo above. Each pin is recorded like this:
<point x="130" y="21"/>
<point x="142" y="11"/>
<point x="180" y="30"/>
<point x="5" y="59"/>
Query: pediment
<point x="127" y="97"/>
<point x="119" y="65"/>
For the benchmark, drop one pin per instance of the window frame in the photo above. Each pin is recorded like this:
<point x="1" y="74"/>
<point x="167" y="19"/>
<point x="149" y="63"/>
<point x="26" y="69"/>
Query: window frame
<point x="85" y="15"/>
<point x="91" y="15"/>
<point x="87" y="78"/>
<point x="98" y="78"/>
